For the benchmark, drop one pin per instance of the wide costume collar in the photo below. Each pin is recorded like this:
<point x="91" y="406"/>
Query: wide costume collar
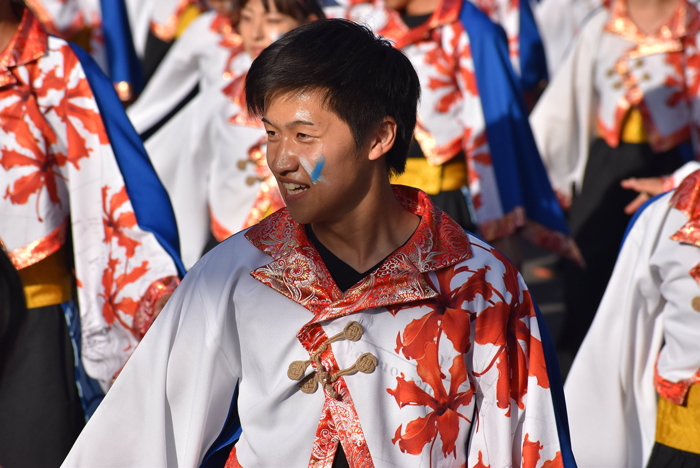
<point x="683" y="22"/>
<point x="686" y="199"/>
<point x="29" y="43"/>
<point x="447" y="12"/>
<point x="298" y="272"/>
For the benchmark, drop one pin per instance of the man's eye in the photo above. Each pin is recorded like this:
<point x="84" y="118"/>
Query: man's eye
<point x="303" y="135"/>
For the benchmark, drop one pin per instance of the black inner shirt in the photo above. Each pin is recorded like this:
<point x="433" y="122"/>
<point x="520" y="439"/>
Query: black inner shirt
<point x="414" y="21"/>
<point x="343" y="274"/>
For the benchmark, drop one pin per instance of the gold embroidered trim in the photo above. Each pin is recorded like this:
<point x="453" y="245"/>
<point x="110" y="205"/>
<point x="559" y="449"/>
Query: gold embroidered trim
<point x="39" y="249"/>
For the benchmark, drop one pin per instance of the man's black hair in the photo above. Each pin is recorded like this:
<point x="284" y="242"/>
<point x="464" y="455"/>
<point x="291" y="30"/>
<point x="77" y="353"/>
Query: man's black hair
<point x="364" y="79"/>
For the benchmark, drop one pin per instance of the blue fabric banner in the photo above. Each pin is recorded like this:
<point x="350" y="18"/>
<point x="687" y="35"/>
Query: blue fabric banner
<point x="557" y="390"/>
<point x="123" y="63"/>
<point x="533" y="63"/>
<point x="150" y="201"/>
<point x="520" y="174"/>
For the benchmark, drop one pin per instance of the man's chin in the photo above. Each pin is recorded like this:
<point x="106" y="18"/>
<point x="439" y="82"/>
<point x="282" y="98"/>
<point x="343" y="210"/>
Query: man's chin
<point x="300" y="217"/>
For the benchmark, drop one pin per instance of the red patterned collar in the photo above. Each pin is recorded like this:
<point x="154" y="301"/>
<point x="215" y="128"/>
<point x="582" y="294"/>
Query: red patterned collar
<point x="298" y="272"/>
<point x="686" y="199"/>
<point x="235" y="91"/>
<point x="29" y="43"/>
<point x="685" y="21"/>
<point x="396" y="30"/>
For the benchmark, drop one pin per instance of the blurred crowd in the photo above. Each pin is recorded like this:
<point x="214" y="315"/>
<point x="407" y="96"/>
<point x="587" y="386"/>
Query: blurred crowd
<point x="127" y="152"/>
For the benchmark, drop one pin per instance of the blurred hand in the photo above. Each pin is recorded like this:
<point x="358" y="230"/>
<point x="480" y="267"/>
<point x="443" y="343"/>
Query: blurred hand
<point x="647" y="187"/>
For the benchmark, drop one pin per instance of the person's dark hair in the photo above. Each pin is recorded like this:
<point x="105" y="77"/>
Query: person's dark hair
<point x="300" y="10"/>
<point x="364" y="79"/>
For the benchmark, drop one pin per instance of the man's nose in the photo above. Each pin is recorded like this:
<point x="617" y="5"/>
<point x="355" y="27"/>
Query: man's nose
<point x="283" y="158"/>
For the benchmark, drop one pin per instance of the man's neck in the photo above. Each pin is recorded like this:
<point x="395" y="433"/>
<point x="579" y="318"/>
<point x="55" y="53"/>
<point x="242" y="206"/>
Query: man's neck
<point x="8" y="23"/>
<point x="374" y="229"/>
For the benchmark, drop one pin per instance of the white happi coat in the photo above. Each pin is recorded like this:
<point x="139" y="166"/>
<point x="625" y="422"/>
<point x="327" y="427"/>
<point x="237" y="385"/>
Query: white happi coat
<point x="460" y="377"/>
<point x="612" y="68"/>
<point x="241" y="188"/>
<point x="59" y="174"/>
<point x="559" y="22"/>
<point x="193" y="144"/>
<point x="644" y="339"/>
<point x="202" y="55"/>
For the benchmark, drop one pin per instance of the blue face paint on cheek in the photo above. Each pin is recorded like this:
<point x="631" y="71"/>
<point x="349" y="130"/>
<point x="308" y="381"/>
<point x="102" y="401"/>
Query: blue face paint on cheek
<point x="315" y="174"/>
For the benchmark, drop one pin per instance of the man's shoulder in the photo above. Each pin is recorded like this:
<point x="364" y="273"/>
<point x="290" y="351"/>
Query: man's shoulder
<point x="483" y="256"/>
<point x="233" y="258"/>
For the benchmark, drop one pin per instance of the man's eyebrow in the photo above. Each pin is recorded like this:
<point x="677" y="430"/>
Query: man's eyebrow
<point x="290" y="124"/>
<point x="299" y="122"/>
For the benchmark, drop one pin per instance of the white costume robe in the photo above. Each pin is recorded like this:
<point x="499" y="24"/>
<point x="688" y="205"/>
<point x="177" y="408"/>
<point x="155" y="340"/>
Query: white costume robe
<point x="461" y="377"/>
<point x="187" y="148"/>
<point x="559" y="22"/>
<point x="645" y="334"/>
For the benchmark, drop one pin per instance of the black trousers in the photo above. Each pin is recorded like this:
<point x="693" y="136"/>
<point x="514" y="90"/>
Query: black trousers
<point x="41" y="413"/>
<point x="663" y="456"/>
<point x="597" y="222"/>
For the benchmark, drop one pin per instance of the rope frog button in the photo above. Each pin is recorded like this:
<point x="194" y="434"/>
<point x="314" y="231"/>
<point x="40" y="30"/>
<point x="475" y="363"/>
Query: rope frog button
<point x="365" y="363"/>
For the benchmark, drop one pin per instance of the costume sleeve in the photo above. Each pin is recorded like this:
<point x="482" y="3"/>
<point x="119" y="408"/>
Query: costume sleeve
<point x="520" y="418"/>
<point x="181" y="151"/>
<point x="171" y="400"/>
<point x="562" y="119"/>
<point x="175" y="77"/>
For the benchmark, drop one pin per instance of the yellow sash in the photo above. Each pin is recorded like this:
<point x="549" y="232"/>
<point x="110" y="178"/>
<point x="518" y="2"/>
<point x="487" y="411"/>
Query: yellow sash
<point x="433" y="179"/>
<point x="678" y="426"/>
<point x="48" y="282"/>
<point x="633" y="127"/>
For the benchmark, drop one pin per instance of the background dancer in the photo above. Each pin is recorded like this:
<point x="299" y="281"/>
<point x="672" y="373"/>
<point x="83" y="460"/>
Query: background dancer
<point x="88" y="226"/>
<point x="474" y="153"/>
<point x="633" y="391"/>
<point x="623" y="105"/>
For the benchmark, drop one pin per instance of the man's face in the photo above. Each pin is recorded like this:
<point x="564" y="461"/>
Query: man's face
<point x="312" y="154"/>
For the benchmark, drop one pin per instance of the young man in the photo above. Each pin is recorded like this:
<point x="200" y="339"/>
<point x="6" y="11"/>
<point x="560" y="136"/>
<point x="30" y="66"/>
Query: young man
<point x="360" y="325"/>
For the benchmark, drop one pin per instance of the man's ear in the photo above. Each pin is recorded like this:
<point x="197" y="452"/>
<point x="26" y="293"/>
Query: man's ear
<point x="383" y="139"/>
